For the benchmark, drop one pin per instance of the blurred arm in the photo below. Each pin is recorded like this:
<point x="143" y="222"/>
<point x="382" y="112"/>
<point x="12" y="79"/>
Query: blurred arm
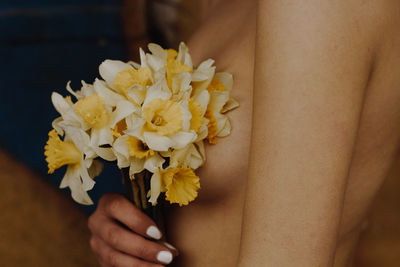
<point x="311" y="71"/>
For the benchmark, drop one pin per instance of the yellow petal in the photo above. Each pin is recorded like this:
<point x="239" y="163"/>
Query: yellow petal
<point x="59" y="153"/>
<point x="163" y="116"/>
<point x="212" y="126"/>
<point x="215" y="85"/>
<point x="93" y="111"/>
<point x="174" y="66"/>
<point x="138" y="149"/>
<point x="197" y="119"/>
<point x="129" y="77"/>
<point x="181" y="185"/>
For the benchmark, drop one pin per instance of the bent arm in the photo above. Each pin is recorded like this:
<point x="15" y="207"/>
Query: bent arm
<point x="311" y="70"/>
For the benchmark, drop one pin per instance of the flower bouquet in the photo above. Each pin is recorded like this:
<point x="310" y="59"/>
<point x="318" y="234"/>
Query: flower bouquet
<point x="151" y="118"/>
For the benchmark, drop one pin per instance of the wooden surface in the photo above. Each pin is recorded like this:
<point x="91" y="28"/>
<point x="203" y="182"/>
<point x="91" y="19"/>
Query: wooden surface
<point x="39" y="226"/>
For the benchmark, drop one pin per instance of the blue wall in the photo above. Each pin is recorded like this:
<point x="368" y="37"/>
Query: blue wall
<point x="44" y="44"/>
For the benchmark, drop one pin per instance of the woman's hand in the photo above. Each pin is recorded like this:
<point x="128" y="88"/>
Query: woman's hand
<point x="119" y="232"/>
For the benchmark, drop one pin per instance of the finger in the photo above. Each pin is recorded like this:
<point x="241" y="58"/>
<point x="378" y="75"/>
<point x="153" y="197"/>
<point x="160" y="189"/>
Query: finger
<point x="131" y="243"/>
<point x="111" y="257"/>
<point x="119" y="208"/>
<point x="173" y="249"/>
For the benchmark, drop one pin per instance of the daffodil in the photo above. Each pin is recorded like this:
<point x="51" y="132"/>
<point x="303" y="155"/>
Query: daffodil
<point x="180" y="185"/>
<point x="162" y="123"/>
<point x="70" y="152"/>
<point x="136" y="155"/>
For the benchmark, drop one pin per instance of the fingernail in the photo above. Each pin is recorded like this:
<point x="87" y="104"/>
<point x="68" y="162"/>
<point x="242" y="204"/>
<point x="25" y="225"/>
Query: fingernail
<point x="164" y="257"/>
<point x="168" y="245"/>
<point x="153" y="232"/>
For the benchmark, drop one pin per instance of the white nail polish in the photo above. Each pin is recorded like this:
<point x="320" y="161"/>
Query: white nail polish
<point x="168" y="245"/>
<point x="153" y="232"/>
<point x="164" y="257"/>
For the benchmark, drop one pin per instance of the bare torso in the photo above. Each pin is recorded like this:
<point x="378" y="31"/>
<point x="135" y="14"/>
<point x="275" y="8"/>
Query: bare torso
<point x="207" y="232"/>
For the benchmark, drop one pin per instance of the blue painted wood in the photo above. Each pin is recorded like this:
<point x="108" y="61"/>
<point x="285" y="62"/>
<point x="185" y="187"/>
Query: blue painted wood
<point x="40" y="51"/>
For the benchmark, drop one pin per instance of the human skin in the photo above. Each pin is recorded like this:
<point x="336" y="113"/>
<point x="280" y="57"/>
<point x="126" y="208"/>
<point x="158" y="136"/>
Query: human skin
<point x="325" y="131"/>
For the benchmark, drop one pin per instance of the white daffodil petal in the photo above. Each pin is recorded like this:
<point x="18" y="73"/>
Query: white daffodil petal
<point x="157" y="142"/>
<point x="184" y="56"/>
<point x="78" y="193"/>
<point x="186" y="115"/>
<point x="201" y="149"/>
<point x="205" y="71"/>
<point x="135" y="126"/>
<point x="218" y="100"/>
<point x="143" y="61"/>
<point x="226" y="79"/>
<point x="156" y="91"/>
<point x="87" y="182"/>
<point x="137" y="93"/>
<point x="80" y="138"/>
<point x="155" y="187"/>
<point x="105" y="153"/>
<point x="124" y="109"/>
<point x="77" y="94"/>
<point x="225" y="128"/>
<point x="56" y="125"/>
<point x="102" y="136"/>
<point x="110" y="97"/>
<point x="86" y="89"/>
<point x="182" y="139"/>
<point x="109" y="68"/>
<point x="137" y="165"/>
<point x="229" y="105"/>
<point x="121" y="151"/>
<point x="60" y="104"/>
<point x="203" y="131"/>
<point x="203" y="98"/>
<point x="221" y="122"/>
<point x="153" y="163"/>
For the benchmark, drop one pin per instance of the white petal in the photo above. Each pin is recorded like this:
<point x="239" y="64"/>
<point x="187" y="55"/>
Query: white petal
<point x="87" y="89"/>
<point x="186" y="115"/>
<point x="203" y="98"/>
<point x="121" y="151"/>
<point x="80" y="138"/>
<point x="137" y="93"/>
<point x="205" y="71"/>
<point x="218" y="100"/>
<point x="183" y="55"/>
<point x="155" y="187"/>
<point x="203" y="131"/>
<point x="105" y="153"/>
<point x="102" y="136"/>
<point x="60" y="104"/>
<point x="87" y="182"/>
<point x="135" y="126"/>
<point x="77" y="94"/>
<point x="157" y="91"/>
<point x="229" y="105"/>
<point x="109" y="68"/>
<point x="55" y="124"/>
<point x="157" y="142"/>
<point x="110" y="97"/>
<point x="226" y="79"/>
<point x="137" y="165"/>
<point x="153" y="163"/>
<point x="225" y="127"/>
<point x="124" y="109"/>
<point x="182" y="139"/>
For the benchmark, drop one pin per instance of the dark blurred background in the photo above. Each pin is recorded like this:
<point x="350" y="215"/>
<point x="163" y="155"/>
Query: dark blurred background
<point x="43" y="45"/>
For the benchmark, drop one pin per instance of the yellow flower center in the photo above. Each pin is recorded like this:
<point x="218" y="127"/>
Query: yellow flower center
<point x="93" y="111"/>
<point x="129" y="77"/>
<point x="119" y="128"/>
<point x="197" y="120"/>
<point x="59" y="153"/>
<point x="212" y="126"/>
<point x="215" y="85"/>
<point x="174" y="66"/>
<point x="181" y="184"/>
<point x="163" y="116"/>
<point x="138" y="149"/>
